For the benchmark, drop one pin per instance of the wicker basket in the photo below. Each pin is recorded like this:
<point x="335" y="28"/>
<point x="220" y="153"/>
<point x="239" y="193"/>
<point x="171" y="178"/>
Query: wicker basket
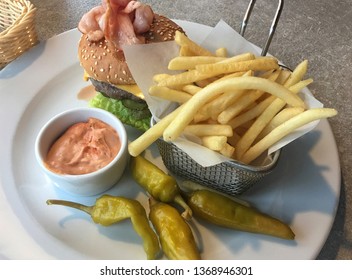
<point x="17" y="29"/>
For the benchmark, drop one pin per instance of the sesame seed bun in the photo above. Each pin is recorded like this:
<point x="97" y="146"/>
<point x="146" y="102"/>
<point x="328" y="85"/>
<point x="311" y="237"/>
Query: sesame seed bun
<point x="103" y="62"/>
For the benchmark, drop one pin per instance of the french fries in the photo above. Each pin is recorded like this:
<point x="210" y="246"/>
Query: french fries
<point x="286" y="128"/>
<point x="238" y="106"/>
<point x="215" y="89"/>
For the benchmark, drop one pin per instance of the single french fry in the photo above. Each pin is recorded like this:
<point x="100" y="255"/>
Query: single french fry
<point x="297" y="74"/>
<point x="283" y="77"/>
<point x="182" y="40"/>
<point x="284" y="115"/>
<point x="286" y="128"/>
<point x="185" y="51"/>
<point x="215" y="143"/>
<point x="137" y="146"/>
<point x="221" y="52"/>
<point x="169" y="94"/>
<point x="227" y="150"/>
<point x="190" y="62"/>
<point x="184" y="78"/>
<point x="191" y="89"/>
<point x="258" y="64"/>
<point x="296" y="88"/>
<point x="209" y="129"/>
<point x="215" y="89"/>
<point x="157" y="78"/>
<point x="237" y="58"/>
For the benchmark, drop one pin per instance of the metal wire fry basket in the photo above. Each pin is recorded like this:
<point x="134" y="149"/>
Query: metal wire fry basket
<point x="230" y="177"/>
<point x="17" y="29"/>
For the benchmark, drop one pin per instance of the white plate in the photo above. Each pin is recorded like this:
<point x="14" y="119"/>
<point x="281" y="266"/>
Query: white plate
<point x="303" y="191"/>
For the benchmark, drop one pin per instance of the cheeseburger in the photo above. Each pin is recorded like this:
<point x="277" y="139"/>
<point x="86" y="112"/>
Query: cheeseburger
<point x="105" y="30"/>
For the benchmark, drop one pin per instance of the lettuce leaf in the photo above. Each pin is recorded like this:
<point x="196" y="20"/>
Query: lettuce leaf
<point x="139" y="119"/>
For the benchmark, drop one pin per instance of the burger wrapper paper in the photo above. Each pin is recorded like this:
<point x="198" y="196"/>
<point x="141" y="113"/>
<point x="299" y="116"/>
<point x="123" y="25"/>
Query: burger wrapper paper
<point x="145" y="61"/>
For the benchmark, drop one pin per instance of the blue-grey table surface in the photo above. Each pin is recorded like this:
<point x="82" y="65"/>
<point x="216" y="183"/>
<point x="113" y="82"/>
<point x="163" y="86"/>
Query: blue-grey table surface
<point x="320" y="31"/>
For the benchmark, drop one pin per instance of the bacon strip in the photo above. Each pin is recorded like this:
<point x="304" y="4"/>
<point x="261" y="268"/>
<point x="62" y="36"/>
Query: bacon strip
<point x="120" y="21"/>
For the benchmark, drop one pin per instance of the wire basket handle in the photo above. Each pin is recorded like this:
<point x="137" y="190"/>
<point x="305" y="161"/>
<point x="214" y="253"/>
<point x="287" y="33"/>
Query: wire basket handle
<point x="272" y="27"/>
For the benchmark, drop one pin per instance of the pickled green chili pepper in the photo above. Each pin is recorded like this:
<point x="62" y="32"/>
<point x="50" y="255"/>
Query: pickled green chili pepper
<point x="223" y="211"/>
<point x="176" y="237"/>
<point x="157" y="183"/>
<point x="109" y="210"/>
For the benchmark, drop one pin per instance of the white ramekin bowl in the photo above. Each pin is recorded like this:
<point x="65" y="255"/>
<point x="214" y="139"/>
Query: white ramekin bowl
<point x="86" y="184"/>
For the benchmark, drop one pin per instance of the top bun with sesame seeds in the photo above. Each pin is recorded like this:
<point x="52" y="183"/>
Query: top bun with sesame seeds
<point x="106" y="65"/>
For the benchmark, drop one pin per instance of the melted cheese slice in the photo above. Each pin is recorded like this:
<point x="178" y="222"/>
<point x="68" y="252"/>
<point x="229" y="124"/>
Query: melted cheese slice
<point x="134" y="89"/>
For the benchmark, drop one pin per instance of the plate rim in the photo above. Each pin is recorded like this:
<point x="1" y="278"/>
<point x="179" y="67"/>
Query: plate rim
<point x="59" y="37"/>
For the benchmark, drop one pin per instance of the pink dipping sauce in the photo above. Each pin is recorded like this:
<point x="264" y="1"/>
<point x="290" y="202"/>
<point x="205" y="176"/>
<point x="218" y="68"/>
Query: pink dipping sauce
<point x="84" y="147"/>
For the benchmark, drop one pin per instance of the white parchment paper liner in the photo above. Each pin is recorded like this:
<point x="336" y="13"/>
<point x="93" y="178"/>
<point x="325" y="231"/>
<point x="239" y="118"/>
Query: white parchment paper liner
<point x="145" y="61"/>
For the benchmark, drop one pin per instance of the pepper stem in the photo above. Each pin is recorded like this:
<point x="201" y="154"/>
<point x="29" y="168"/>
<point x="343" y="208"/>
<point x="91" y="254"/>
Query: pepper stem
<point x="87" y="209"/>
<point x="187" y="214"/>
